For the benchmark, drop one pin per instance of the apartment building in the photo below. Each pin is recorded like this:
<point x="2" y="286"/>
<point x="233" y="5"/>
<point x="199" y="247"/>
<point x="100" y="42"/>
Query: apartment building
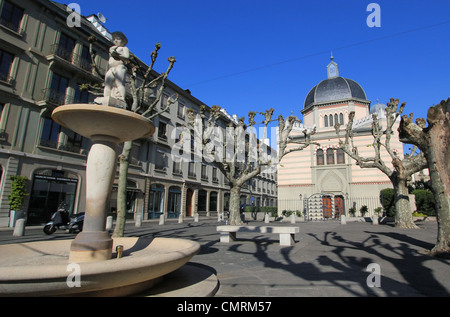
<point x="43" y="62"/>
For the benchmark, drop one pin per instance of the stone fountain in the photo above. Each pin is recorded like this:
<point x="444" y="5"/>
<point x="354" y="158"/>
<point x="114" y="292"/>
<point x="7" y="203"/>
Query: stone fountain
<point x="48" y="268"/>
<point x="88" y="265"/>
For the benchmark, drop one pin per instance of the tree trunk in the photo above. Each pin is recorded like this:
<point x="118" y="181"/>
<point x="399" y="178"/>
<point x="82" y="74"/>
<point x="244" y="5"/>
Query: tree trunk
<point x="122" y="190"/>
<point x="403" y="213"/>
<point x="434" y="142"/>
<point x="235" y="205"/>
<point x="438" y="157"/>
<point x="442" y="198"/>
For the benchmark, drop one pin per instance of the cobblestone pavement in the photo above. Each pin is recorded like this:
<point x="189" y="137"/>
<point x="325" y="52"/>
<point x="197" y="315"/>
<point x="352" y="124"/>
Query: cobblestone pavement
<point x="328" y="259"/>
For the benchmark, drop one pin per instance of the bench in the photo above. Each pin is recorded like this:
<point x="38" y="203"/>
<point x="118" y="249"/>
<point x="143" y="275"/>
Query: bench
<point x="287" y="234"/>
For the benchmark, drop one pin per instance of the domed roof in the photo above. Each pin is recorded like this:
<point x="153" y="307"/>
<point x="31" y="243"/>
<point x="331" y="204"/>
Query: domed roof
<point x="377" y="107"/>
<point x="335" y="88"/>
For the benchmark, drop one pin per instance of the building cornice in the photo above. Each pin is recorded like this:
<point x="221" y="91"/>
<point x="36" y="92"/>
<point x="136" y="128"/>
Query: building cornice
<point x="334" y="103"/>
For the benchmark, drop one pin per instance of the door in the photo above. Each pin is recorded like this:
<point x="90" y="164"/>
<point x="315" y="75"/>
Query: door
<point x="339" y="206"/>
<point x="326" y="207"/>
<point x="189" y="195"/>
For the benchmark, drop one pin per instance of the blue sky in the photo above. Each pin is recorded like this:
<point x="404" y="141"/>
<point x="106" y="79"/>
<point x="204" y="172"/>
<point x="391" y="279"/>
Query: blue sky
<point x="255" y="54"/>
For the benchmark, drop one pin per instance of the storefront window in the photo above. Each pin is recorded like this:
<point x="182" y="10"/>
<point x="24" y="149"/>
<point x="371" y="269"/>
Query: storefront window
<point x="174" y="206"/>
<point x="50" y="189"/>
<point x="156" y="201"/>
<point x="132" y="190"/>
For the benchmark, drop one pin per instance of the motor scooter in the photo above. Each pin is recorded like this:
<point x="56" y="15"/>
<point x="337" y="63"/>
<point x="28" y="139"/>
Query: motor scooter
<point x="62" y="221"/>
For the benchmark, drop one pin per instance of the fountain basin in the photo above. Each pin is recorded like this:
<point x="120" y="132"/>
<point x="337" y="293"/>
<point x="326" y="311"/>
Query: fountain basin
<point x="42" y="268"/>
<point x="91" y="121"/>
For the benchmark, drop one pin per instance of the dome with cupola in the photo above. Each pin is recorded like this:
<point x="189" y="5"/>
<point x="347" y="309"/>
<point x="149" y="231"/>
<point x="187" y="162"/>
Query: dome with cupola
<point x="334" y="88"/>
<point x="377" y="107"/>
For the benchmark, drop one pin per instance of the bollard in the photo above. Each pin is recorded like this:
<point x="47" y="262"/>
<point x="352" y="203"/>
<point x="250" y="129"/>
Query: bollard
<point x="19" y="228"/>
<point x="343" y="220"/>
<point x="375" y="220"/>
<point x="138" y="222"/>
<point x="266" y="218"/>
<point x="161" y="219"/>
<point x="109" y="222"/>
<point x="293" y="218"/>
<point x="180" y="218"/>
<point x="196" y="217"/>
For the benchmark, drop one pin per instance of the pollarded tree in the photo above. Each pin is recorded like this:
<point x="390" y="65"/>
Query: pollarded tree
<point x="286" y="137"/>
<point x="236" y="151"/>
<point x="434" y="141"/>
<point x="402" y="168"/>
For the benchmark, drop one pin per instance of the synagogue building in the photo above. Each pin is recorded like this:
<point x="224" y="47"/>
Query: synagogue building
<point x="322" y="181"/>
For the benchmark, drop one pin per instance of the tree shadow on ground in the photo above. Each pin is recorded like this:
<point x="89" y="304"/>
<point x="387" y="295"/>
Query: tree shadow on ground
<point x="346" y="266"/>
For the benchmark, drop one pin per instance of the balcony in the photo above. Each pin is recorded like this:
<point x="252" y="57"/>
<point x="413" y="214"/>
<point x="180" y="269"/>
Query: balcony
<point x="61" y="52"/>
<point x="53" y="97"/>
<point x="177" y="172"/>
<point x="14" y="26"/>
<point x="68" y="147"/>
<point x="192" y="175"/>
<point x="71" y="60"/>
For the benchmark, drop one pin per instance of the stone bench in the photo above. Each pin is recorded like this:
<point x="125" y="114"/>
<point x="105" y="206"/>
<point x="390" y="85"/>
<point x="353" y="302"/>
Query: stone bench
<point x="287" y="234"/>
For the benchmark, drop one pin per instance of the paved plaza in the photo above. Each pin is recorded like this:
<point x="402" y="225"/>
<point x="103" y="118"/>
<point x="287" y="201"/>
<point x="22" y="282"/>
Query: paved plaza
<point x="328" y="259"/>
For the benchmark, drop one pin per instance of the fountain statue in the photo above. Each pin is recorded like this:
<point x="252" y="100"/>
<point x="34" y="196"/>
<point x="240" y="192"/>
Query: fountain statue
<point x="115" y="91"/>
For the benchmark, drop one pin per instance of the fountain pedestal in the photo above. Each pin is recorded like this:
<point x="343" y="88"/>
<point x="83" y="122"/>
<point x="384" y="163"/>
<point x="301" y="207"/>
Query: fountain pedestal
<point x="106" y="127"/>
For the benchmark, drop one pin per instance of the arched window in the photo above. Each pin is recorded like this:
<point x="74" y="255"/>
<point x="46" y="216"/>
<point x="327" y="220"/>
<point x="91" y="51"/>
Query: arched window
<point x="341" y="118"/>
<point x="336" y="119"/>
<point x="330" y="157"/>
<point x="320" y="158"/>
<point x="340" y="156"/>
<point x="331" y="120"/>
<point x="325" y="120"/>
